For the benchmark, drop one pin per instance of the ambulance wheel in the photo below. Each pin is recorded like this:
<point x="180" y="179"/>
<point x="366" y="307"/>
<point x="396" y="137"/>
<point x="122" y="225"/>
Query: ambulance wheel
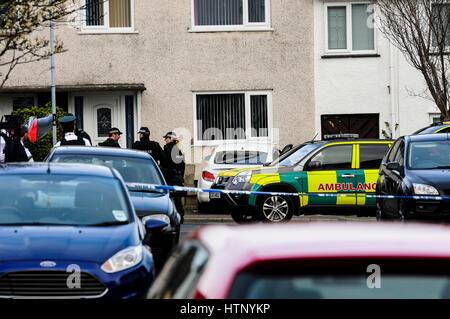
<point x="275" y="209"/>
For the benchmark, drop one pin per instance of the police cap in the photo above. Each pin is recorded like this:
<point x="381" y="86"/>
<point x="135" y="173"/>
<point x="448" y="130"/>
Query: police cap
<point x="115" y="130"/>
<point x="67" y="118"/>
<point x="144" y="130"/>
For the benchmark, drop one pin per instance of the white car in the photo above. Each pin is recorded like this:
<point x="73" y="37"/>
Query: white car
<point x="233" y="155"/>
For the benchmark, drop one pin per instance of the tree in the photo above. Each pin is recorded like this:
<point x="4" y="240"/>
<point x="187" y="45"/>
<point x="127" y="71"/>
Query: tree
<point x="19" y="22"/>
<point x="420" y="29"/>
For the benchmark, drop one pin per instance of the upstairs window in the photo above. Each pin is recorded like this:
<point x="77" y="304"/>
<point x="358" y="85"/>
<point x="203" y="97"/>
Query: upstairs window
<point x="229" y="15"/>
<point x="108" y="15"/>
<point x="349" y="28"/>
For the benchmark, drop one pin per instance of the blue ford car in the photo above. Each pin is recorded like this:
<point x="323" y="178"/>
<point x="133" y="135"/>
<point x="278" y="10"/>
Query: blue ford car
<point x="134" y="167"/>
<point x="70" y="231"/>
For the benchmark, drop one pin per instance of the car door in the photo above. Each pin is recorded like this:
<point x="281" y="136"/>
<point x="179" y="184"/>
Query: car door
<point x="370" y="156"/>
<point x="390" y="179"/>
<point x="335" y="175"/>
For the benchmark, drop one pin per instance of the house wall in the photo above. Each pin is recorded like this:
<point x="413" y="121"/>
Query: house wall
<point x="380" y="84"/>
<point x="173" y="62"/>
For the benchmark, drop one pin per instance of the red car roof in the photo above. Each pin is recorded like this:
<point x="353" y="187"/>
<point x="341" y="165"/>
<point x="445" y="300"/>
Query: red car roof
<point x="234" y="248"/>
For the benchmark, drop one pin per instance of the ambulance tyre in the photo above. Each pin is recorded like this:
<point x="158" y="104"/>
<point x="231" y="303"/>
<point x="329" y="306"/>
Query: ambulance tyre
<point x="275" y="209"/>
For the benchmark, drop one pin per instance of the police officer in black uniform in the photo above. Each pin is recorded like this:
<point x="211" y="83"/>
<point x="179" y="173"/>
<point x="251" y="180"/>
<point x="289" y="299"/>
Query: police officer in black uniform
<point x="173" y="167"/>
<point x="68" y="124"/>
<point x="112" y="140"/>
<point x="144" y="144"/>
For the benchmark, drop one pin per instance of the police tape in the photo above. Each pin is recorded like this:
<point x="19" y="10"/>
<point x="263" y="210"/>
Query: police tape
<point x="153" y="187"/>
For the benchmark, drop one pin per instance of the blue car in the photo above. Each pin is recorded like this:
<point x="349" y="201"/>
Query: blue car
<point x="134" y="167"/>
<point x="70" y="231"/>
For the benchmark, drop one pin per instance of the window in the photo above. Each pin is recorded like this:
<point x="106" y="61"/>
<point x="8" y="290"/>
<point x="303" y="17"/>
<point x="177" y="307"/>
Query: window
<point x="399" y="155"/>
<point x="335" y="158"/>
<point x="108" y="16"/>
<point x="22" y="102"/>
<point x="349" y="28"/>
<point x="103" y="122"/>
<point x="232" y="116"/>
<point x="370" y="155"/>
<point x="440" y="15"/>
<point x="229" y="15"/>
<point x="394" y="148"/>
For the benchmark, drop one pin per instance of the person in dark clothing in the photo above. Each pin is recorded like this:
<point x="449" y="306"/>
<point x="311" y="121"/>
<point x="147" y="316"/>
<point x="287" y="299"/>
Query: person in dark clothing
<point x="173" y="167"/>
<point x="17" y="151"/>
<point x="68" y="124"/>
<point x="151" y="147"/>
<point x="113" y="139"/>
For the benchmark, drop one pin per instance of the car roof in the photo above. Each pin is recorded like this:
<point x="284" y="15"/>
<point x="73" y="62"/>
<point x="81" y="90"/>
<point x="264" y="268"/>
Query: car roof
<point x="357" y="140"/>
<point x="98" y="150"/>
<point x="432" y="128"/>
<point x="56" y="169"/>
<point x="428" y="137"/>
<point x="234" y="248"/>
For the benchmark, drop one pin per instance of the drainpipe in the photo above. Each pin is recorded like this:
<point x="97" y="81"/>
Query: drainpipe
<point x="393" y="87"/>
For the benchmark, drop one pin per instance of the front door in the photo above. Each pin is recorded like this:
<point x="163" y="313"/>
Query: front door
<point x="335" y="176"/>
<point x="101" y="113"/>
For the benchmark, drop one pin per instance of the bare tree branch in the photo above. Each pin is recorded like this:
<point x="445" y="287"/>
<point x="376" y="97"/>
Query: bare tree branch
<point x="420" y="29"/>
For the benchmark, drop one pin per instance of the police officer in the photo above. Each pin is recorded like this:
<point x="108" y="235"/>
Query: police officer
<point x="21" y="153"/>
<point x="173" y="167"/>
<point x="144" y="144"/>
<point x="113" y="139"/>
<point x="68" y="124"/>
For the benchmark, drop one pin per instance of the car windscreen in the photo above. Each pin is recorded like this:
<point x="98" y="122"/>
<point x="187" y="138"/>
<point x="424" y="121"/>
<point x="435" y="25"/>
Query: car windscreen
<point x="295" y="155"/>
<point x="133" y="170"/>
<point x="391" y="286"/>
<point x="240" y="157"/>
<point x="429" y="155"/>
<point x="62" y="200"/>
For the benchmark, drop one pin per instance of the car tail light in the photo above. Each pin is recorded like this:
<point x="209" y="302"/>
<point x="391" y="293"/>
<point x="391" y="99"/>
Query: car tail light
<point x="207" y="176"/>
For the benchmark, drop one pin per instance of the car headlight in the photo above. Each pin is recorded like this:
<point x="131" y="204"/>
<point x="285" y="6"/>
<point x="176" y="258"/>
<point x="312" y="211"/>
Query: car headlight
<point x="422" y="189"/>
<point x="124" y="259"/>
<point x="243" y="177"/>
<point x="162" y="217"/>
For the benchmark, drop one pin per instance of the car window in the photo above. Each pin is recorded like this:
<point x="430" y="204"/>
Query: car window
<point x="371" y="155"/>
<point x="62" y="199"/>
<point x="429" y="155"/>
<point x="351" y="286"/>
<point x="400" y="154"/>
<point x="391" y="154"/>
<point x="295" y="155"/>
<point x="240" y="157"/>
<point x="335" y="157"/>
<point x="181" y="272"/>
<point x="133" y="170"/>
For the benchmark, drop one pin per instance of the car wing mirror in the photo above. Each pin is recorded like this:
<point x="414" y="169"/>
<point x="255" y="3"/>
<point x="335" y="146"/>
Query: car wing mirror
<point x="207" y="158"/>
<point x="155" y="224"/>
<point x="394" y="167"/>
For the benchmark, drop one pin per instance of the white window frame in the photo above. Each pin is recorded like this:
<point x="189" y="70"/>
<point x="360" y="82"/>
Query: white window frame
<point x="248" y="122"/>
<point x="245" y="26"/>
<point x="105" y="28"/>
<point x="349" y="24"/>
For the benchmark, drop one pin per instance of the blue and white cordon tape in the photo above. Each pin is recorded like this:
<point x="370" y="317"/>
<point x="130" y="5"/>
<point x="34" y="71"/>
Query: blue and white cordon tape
<point x="150" y="187"/>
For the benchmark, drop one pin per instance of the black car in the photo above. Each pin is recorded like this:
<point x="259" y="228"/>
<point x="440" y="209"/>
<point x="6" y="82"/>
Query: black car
<point x="417" y="165"/>
<point x="135" y="167"/>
